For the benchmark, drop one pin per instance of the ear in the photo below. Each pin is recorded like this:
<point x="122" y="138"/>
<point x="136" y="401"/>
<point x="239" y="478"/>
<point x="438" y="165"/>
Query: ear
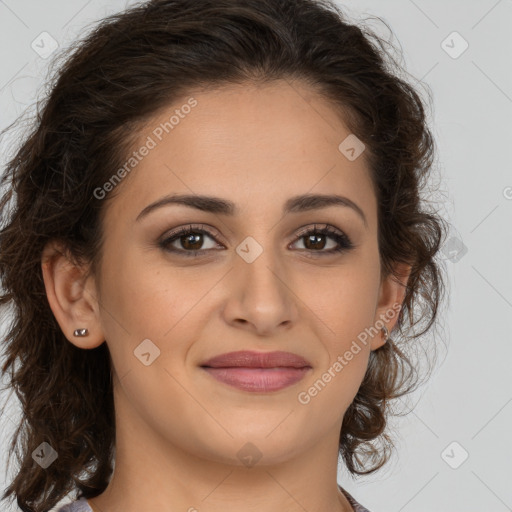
<point x="71" y="295"/>
<point x="391" y="297"/>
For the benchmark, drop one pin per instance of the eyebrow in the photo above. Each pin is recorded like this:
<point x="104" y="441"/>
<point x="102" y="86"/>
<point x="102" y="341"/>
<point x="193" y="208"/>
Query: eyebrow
<point x="217" y="205"/>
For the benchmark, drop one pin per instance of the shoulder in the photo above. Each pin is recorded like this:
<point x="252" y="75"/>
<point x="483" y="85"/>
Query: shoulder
<point x="75" y="506"/>
<point x="355" y="505"/>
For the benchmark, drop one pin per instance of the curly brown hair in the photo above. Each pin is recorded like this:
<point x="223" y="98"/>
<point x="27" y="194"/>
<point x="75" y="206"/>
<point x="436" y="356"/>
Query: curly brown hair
<point x="130" y="66"/>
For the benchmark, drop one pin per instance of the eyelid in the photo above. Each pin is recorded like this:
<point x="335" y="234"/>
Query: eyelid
<point x="210" y="231"/>
<point x="317" y="227"/>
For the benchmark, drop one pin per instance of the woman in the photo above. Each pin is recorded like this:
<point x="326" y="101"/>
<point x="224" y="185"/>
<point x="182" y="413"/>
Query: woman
<point x="216" y="224"/>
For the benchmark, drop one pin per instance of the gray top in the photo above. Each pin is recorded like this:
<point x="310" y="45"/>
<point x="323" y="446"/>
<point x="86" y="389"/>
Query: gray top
<point x="81" y="505"/>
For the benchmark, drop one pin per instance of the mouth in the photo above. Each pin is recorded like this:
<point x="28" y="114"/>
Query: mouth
<point x="257" y="371"/>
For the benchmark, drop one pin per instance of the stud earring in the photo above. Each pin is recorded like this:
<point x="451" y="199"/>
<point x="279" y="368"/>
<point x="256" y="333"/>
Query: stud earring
<point x="386" y="333"/>
<point x="81" y="332"/>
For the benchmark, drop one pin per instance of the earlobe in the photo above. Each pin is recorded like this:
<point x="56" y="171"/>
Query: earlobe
<point x="392" y="293"/>
<point x="71" y="297"/>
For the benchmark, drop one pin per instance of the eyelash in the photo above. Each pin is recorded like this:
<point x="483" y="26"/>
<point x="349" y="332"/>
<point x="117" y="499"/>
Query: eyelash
<point x="344" y="242"/>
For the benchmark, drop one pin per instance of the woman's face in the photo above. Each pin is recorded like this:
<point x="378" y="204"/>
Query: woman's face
<point x="250" y="277"/>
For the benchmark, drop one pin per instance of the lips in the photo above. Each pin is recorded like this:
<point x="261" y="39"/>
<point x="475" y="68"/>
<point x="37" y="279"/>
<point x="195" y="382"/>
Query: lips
<point x="257" y="371"/>
<point x="248" y="359"/>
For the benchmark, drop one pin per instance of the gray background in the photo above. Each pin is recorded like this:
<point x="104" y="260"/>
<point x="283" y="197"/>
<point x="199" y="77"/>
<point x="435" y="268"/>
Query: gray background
<point x="468" y="399"/>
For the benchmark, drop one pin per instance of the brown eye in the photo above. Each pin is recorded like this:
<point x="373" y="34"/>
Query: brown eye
<point x="188" y="241"/>
<point x="315" y="240"/>
<point x="194" y="241"/>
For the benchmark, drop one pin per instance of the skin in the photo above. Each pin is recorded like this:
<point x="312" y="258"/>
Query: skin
<point x="178" y="429"/>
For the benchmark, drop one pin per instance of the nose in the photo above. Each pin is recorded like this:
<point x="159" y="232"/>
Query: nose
<point x="260" y="295"/>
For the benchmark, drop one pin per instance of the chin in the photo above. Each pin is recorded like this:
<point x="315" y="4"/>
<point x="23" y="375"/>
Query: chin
<point x="249" y="450"/>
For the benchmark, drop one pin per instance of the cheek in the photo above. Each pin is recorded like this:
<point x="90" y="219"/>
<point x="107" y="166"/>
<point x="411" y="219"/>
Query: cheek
<point x="148" y="300"/>
<point x="144" y="297"/>
<point x="343" y="311"/>
<point x="345" y="301"/>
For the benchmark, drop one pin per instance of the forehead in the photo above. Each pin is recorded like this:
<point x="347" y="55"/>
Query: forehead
<point x="253" y="143"/>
